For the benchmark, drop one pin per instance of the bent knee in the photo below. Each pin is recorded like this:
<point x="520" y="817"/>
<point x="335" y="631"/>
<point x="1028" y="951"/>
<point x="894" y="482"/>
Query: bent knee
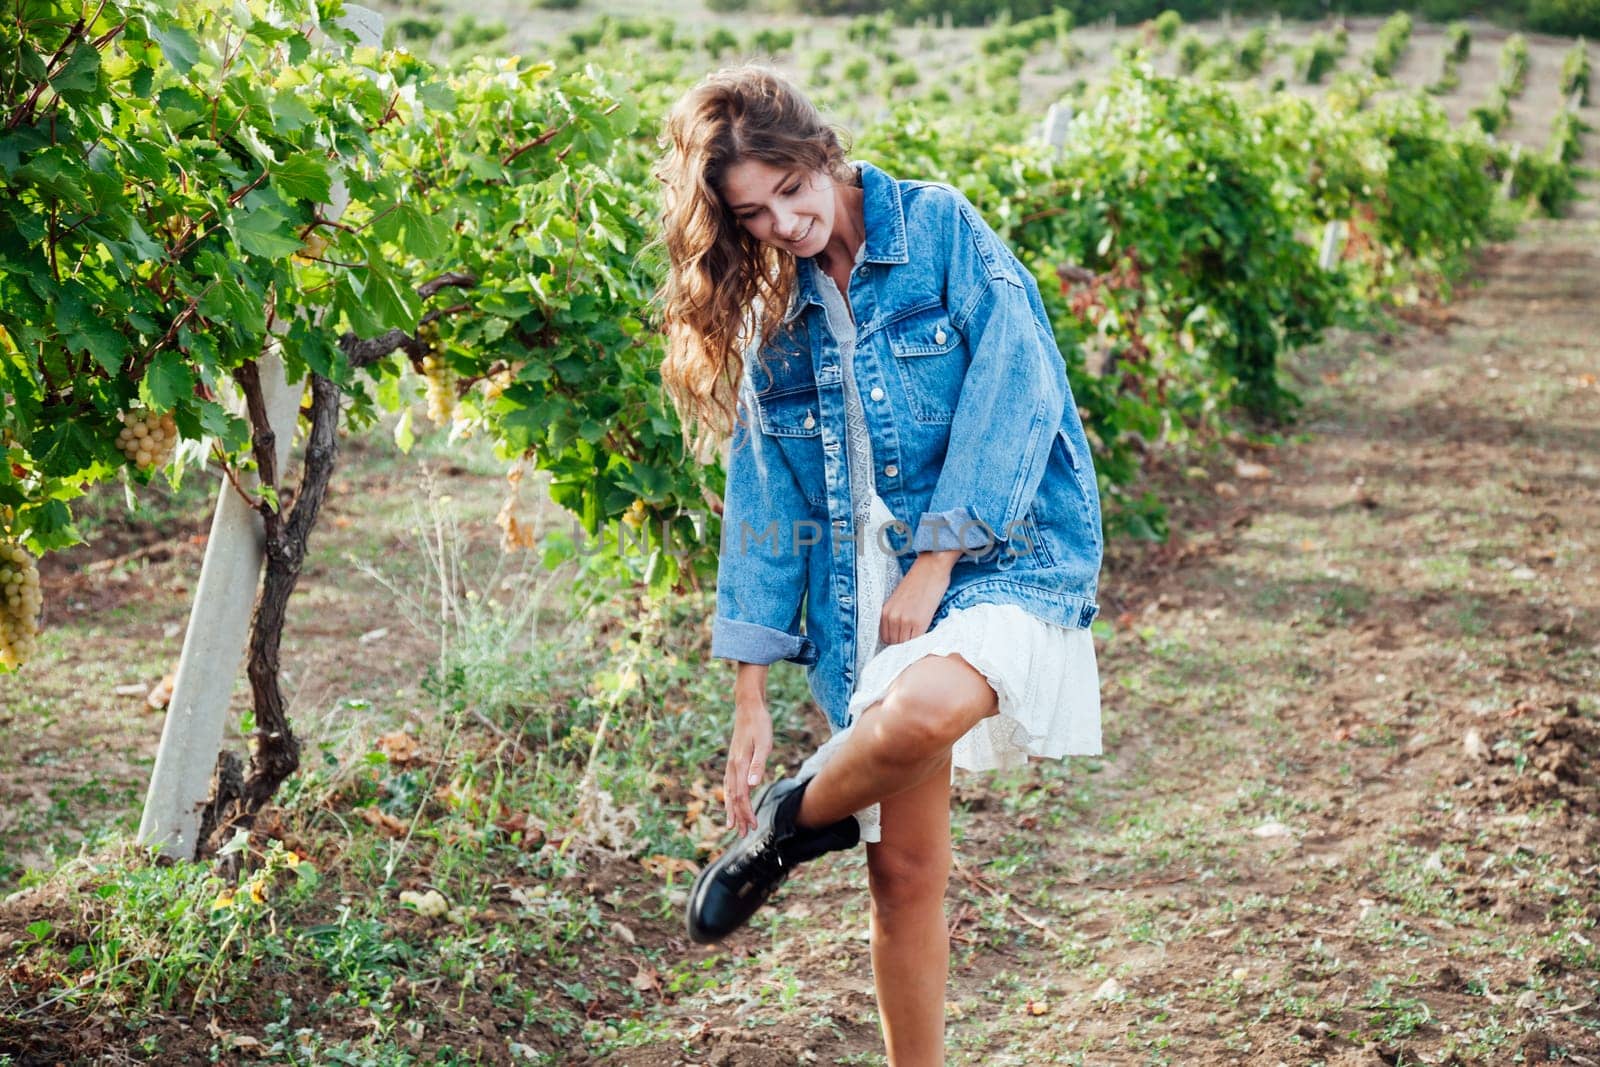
<point x="937" y="699"/>
<point x="901" y="878"/>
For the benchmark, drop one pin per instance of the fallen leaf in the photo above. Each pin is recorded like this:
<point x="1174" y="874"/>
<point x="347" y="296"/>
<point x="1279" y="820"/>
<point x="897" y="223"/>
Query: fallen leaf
<point x="400" y="747"/>
<point x="1252" y="472"/>
<point x="385" y="823"/>
<point x="531" y="828"/>
<point x="663" y="866"/>
<point x="1226" y="490"/>
<point x="456" y="796"/>
<point x="647" y="980"/>
<point x="232" y="1040"/>
<point x="623" y="932"/>
<point x="1272" y="829"/>
<point x="691" y="812"/>
<point x="160" y="694"/>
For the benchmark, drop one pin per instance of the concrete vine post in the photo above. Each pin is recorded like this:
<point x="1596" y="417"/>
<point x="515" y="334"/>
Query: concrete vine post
<point x="224" y="600"/>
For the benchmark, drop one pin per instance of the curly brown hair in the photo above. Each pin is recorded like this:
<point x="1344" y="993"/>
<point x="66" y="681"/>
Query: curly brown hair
<point x="726" y="292"/>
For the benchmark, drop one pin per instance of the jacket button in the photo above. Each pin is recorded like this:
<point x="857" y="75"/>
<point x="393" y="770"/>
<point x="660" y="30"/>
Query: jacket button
<point x="877" y="393"/>
<point x="890" y="471"/>
<point x="810" y="422"/>
<point x="938" y="336"/>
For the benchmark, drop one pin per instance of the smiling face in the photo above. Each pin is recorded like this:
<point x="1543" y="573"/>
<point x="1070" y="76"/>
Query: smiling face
<point x="789" y="209"/>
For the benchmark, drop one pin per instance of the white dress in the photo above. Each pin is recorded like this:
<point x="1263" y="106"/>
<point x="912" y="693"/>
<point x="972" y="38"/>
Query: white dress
<point x="1044" y="676"/>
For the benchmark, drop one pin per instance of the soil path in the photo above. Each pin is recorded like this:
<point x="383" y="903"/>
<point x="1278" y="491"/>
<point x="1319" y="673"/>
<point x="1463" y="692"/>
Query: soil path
<point x="1347" y="811"/>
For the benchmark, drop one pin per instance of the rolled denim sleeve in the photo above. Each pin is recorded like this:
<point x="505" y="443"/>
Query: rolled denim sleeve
<point x="944" y="530"/>
<point x="762" y="565"/>
<point x="1011" y="400"/>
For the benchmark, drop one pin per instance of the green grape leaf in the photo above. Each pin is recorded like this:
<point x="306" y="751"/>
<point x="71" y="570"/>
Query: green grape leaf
<point x="79" y="76"/>
<point x="180" y="108"/>
<point x="85" y="330"/>
<point x="63" y="446"/>
<point x="251" y="138"/>
<point x="178" y="45"/>
<point x="404" y="437"/>
<point x="168" y="381"/>
<point x="48" y="526"/>
<point x="302" y="177"/>
<point x="391" y="303"/>
<point x="264" y="232"/>
<point x="216" y="421"/>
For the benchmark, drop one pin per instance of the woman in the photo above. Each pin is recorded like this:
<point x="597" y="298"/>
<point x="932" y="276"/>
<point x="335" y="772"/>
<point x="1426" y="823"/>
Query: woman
<point x="906" y="460"/>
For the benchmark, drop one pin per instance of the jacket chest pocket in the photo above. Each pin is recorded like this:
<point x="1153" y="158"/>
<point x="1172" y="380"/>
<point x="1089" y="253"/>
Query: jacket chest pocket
<point x="791" y="415"/>
<point x="790" y="411"/>
<point x="931" y="358"/>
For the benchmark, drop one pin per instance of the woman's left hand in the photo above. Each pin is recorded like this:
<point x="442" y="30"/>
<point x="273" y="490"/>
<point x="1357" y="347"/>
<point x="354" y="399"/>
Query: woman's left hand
<point x="910" y="607"/>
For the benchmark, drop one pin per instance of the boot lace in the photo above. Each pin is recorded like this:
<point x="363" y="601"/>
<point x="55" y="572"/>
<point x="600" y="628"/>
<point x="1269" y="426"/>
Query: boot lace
<point x="764" y="860"/>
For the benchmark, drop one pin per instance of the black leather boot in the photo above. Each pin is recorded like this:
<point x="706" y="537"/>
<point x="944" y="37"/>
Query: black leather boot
<point x="729" y="891"/>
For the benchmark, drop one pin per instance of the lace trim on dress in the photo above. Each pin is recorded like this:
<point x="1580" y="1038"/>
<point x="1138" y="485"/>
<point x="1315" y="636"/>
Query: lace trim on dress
<point x="877" y="570"/>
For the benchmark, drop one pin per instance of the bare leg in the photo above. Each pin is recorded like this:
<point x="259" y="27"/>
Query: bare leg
<point x="907" y="872"/>
<point x="902" y="740"/>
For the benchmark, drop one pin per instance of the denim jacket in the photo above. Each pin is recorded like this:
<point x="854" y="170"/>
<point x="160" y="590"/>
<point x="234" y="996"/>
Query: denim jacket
<point x="976" y="445"/>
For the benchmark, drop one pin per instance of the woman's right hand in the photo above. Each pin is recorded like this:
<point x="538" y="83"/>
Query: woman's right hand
<point x="747" y="759"/>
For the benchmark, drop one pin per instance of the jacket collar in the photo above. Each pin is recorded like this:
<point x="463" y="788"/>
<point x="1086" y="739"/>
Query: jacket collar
<point x="886" y="218"/>
<point x="885" y="233"/>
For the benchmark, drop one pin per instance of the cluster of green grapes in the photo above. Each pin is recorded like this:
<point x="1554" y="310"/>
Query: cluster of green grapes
<point x="441" y="379"/>
<point x="146" y="438"/>
<point x="20" y="600"/>
<point x="441" y="388"/>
